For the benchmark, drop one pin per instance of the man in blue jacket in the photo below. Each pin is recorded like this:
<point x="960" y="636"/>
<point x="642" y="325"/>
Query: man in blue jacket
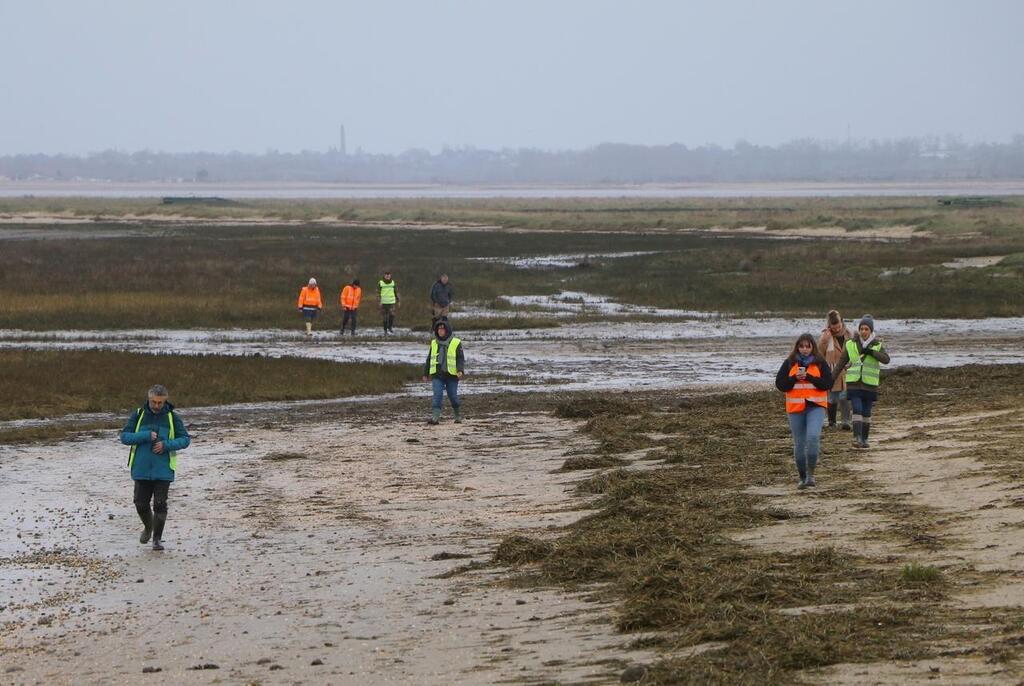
<point x="155" y="433"/>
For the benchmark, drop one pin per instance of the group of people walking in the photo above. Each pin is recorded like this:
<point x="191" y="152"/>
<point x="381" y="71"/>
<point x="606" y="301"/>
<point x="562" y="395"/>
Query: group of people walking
<point x="446" y="360"/>
<point x="831" y="380"/>
<point x="836" y="376"/>
<point x="311" y="303"/>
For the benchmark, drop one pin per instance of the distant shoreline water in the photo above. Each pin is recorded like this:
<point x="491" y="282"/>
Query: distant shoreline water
<point x="324" y="191"/>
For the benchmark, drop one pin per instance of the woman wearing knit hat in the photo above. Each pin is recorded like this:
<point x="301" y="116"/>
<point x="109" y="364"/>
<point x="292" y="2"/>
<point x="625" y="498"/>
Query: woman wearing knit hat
<point x="862" y="359"/>
<point x="310" y="304"/>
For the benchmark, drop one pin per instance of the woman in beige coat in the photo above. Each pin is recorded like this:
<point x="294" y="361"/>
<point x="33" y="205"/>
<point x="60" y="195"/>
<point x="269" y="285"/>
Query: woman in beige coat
<point x="833" y="339"/>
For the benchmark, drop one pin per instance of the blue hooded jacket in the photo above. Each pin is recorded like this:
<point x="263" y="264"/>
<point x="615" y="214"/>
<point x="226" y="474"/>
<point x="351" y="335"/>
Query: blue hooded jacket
<point x="148" y="465"/>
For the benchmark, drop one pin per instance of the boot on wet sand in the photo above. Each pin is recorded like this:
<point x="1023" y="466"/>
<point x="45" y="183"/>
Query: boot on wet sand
<point x="865" y="429"/>
<point x="147" y="524"/>
<point x="159" y="519"/>
<point x="435" y="418"/>
<point x="857" y="429"/>
<point x="458" y="414"/>
<point x="809" y="482"/>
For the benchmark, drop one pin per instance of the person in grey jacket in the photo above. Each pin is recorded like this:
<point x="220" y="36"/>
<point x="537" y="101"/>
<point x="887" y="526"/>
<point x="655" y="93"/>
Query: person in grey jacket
<point x="155" y="433"/>
<point x="441" y="296"/>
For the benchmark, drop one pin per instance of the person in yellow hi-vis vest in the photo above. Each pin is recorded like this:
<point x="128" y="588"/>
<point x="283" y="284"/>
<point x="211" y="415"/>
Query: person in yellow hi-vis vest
<point x="445" y="366"/>
<point x="155" y="433"/>
<point x="862" y="358"/>
<point x="805" y="377"/>
<point x="389" y="300"/>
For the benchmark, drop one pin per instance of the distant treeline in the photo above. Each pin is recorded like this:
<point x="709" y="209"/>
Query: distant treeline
<point x="906" y="159"/>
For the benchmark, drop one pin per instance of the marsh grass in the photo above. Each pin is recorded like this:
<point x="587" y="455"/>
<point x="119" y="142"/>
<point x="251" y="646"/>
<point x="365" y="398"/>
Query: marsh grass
<point x="48" y="383"/>
<point x="916" y="575"/>
<point x="51" y="434"/>
<point x="193" y="275"/>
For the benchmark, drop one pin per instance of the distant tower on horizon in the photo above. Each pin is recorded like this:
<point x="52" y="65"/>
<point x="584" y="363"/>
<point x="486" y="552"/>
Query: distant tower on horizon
<point x="341" y="148"/>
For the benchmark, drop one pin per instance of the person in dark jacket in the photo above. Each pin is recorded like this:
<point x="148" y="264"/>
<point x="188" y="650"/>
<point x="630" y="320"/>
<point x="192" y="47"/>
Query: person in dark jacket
<point x="444" y="367"/>
<point x="155" y="433"/>
<point x="441" y="296"/>
<point x="862" y="359"/>
<point x="805" y="377"/>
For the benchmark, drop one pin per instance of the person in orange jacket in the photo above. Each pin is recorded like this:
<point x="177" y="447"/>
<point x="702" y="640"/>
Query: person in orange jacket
<point x="310" y="304"/>
<point x="350" y="297"/>
<point x="805" y="377"/>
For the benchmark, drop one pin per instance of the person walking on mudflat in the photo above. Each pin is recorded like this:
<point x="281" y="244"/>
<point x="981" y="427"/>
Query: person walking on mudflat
<point x="388" y="302"/>
<point x="805" y="377"/>
<point x="862" y="358"/>
<point x="155" y="433"/>
<point x="441" y="297"/>
<point x="445" y="365"/>
<point x="310" y="304"/>
<point x="350" y="297"/>
<point x="831" y="345"/>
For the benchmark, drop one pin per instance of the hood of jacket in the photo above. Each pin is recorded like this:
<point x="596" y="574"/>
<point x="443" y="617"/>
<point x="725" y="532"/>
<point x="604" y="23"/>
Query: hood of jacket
<point x="448" y="329"/>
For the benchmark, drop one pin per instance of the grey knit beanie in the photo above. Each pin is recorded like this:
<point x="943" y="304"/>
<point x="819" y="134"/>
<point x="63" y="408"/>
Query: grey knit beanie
<point x="867" y="320"/>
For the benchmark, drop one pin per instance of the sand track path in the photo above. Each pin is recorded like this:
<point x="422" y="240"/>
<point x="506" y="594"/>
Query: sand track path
<point x="288" y="545"/>
<point x="935" y="466"/>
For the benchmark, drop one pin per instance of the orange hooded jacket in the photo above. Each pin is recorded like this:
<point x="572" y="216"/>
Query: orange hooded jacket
<point x="310" y="297"/>
<point x="350" y="297"/>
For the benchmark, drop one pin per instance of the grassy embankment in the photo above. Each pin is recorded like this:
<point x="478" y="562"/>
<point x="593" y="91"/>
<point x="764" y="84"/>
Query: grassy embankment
<point x="37" y="384"/>
<point x="659" y="547"/>
<point x="193" y="275"/>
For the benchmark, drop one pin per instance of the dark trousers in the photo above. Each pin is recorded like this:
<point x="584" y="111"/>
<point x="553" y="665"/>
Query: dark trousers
<point x="388" y="314"/>
<point x="345" y="317"/>
<point x="146" y="490"/>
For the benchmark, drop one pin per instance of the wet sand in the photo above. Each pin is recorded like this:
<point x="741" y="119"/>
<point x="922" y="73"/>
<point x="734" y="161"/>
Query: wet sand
<point x="287" y="546"/>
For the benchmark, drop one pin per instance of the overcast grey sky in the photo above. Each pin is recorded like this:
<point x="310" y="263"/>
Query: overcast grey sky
<point x="206" y="75"/>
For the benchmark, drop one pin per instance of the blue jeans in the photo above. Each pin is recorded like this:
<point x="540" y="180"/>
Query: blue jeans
<point x="806" y="428"/>
<point x="862" y="402"/>
<point x="441" y="385"/>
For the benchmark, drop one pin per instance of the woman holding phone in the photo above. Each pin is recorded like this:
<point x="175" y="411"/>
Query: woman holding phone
<point x="805" y="377"/>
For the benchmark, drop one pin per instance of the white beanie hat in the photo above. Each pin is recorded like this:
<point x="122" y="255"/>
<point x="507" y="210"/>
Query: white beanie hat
<point x="312" y="282"/>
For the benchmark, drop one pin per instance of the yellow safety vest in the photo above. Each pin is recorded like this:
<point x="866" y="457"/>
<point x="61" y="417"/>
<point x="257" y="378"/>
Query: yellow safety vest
<point x="170" y="435"/>
<point x="387" y="292"/>
<point x="451" y="359"/>
<point x="863" y="368"/>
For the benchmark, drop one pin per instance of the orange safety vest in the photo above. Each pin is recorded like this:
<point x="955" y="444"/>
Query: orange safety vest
<point x="350" y="297"/>
<point x="310" y="297"/>
<point x="804" y="392"/>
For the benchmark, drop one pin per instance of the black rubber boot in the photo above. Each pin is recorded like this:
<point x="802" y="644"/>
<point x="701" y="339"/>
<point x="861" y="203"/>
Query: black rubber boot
<point x="147" y="522"/>
<point x="159" y="519"/>
<point x="832" y="415"/>
<point x="865" y="429"/>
